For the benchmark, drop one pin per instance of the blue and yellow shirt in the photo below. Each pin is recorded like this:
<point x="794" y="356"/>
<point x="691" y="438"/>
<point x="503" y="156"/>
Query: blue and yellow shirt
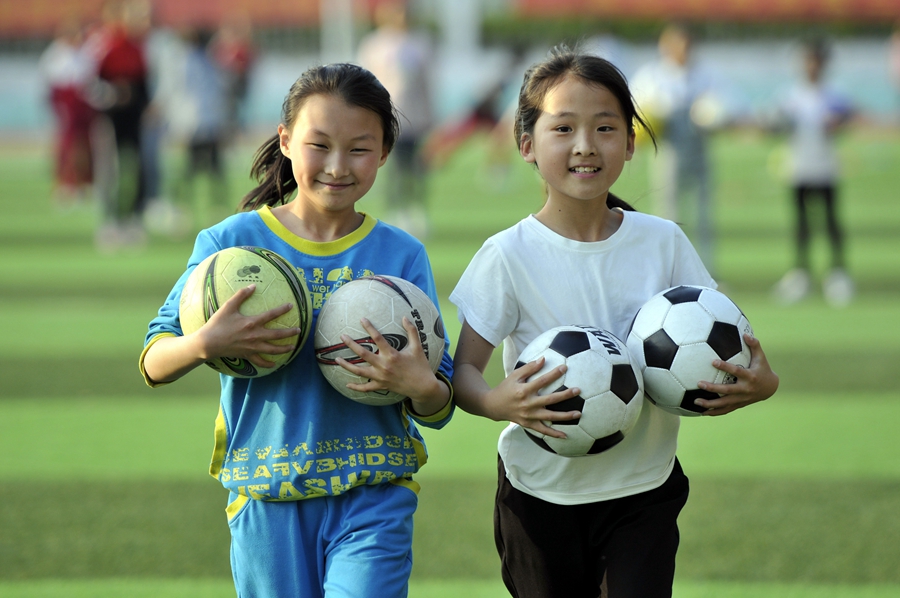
<point x="289" y="435"/>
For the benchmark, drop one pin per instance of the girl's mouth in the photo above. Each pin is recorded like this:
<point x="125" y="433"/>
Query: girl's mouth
<point x="334" y="185"/>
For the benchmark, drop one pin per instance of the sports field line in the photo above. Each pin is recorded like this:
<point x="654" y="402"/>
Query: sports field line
<point x="451" y="588"/>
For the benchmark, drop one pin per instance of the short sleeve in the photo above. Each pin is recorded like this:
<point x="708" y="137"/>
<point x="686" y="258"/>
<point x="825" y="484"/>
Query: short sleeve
<point x="485" y="296"/>
<point x="167" y="320"/>
<point x="689" y="268"/>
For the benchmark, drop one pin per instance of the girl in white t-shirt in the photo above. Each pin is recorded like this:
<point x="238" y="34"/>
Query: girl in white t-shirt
<point x="814" y="113"/>
<point x="576" y="527"/>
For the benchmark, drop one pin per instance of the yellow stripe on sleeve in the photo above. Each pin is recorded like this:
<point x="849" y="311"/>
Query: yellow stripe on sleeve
<point x="150" y="382"/>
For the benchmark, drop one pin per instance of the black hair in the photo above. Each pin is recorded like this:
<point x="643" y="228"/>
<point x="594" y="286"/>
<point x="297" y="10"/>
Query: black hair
<point x="540" y="78"/>
<point x="351" y="83"/>
<point x="817" y="47"/>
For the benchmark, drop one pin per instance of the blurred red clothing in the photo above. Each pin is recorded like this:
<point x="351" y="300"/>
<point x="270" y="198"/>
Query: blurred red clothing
<point x="122" y="59"/>
<point x="67" y="70"/>
<point x="74" y="163"/>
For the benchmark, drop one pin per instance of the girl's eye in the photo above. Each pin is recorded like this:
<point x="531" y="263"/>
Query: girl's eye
<point x="563" y="129"/>
<point x="360" y="150"/>
<point x="318" y="146"/>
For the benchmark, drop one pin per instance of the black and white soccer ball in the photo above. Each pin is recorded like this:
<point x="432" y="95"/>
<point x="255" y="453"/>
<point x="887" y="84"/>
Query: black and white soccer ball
<point x="611" y="388"/>
<point x="675" y="337"/>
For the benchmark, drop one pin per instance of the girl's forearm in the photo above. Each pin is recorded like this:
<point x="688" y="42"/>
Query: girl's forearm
<point x="171" y="357"/>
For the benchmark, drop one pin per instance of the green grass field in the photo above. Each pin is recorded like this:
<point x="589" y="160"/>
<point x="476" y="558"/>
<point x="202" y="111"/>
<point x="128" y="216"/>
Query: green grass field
<point x="102" y="480"/>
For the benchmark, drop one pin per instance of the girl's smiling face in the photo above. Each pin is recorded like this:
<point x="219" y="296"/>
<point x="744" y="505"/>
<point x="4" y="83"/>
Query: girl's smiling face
<point x="580" y="142"/>
<point x="335" y="151"/>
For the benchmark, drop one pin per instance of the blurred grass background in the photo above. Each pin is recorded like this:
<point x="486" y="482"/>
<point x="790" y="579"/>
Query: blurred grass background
<point x="103" y="485"/>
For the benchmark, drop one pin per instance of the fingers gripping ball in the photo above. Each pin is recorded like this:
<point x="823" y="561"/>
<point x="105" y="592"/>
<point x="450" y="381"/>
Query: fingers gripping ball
<point x="611" y="388"/>
<point x="676" y="336"/>
<point x="384" y="301"/>
<point x="220" y="275"/>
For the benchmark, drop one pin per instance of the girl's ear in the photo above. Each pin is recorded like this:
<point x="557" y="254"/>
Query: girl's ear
<point x="629" y="148"/>
<point x="526" y="148"/>
<point x="284" y="140"/>
<point x="385" y="152"/>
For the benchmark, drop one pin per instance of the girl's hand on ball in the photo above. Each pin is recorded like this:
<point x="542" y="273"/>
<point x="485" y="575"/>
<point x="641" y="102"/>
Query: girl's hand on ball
<point x="516" y="399"/>
<point x="753" y="384"/>
<point x="405" y="372"/>
<point x="229" y="333"/>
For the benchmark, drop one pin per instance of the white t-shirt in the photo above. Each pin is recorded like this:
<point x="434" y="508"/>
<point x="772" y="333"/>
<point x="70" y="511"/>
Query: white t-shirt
<point x="64" y="65"/>
<point x="528" y="279"/>
<point x="810" y="108"/>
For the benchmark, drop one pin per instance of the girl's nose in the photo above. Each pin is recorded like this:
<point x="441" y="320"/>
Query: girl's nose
<point x="584" y="145"/>
<point x="336" y="166"/>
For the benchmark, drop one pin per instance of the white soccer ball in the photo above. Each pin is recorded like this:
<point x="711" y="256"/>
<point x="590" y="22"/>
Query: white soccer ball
<point x="611" y="388"/>
<point x="676" y="336"/>
<point x="384" y="300"/>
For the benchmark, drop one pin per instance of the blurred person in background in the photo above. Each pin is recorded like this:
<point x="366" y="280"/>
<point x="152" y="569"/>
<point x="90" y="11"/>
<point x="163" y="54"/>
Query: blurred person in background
<point x="401" y="59"/>
<point x="813" y="113"/>
<point x="684" y="102"/>
<point x="166" y="122"/>
<point x="122" y="96"/>
<point x="67" y="71"/>
<point x="164" y="57"/>
<point x="207" y="98"/>
<point x="234" y="52"/>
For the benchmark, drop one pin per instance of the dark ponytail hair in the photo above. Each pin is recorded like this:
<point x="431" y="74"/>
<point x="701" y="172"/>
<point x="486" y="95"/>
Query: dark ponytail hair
<point x="351" y="83"/>
<point x="540" y="78"/>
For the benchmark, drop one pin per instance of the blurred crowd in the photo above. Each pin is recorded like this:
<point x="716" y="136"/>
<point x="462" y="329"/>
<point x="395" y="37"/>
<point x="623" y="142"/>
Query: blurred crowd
<point x="121" y="88"/>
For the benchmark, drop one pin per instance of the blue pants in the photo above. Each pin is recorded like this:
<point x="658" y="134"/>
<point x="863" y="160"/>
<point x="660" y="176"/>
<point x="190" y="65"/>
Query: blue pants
<point x="355" y="545"/>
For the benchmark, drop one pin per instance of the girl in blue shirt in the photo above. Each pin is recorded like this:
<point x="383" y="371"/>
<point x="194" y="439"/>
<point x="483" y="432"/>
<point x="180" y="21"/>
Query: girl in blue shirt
<point x="321" y="495"/>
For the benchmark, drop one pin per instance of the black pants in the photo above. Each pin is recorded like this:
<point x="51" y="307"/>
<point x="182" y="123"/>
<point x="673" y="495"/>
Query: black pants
<point x="621" y="548"/>
<point x="803" y="198"/>
<point x="204" y="156"/>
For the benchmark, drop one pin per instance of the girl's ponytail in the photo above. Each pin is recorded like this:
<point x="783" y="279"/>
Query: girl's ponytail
<point x="614" y="201"/>
<point x="272" y="170"/>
